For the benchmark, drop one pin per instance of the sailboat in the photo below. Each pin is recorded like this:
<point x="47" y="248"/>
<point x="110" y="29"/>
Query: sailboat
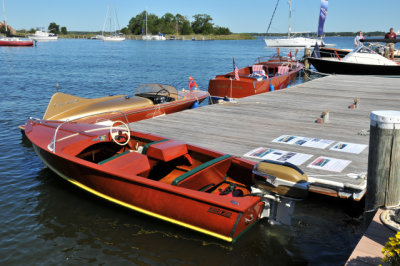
<point x="293" y="39"/>
<point x="149" y="37"/>
<point x="9" y="40"/>
<point x="114" y="34"/>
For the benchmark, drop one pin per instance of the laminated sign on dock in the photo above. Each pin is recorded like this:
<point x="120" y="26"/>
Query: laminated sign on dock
<point x="321" y="126"/>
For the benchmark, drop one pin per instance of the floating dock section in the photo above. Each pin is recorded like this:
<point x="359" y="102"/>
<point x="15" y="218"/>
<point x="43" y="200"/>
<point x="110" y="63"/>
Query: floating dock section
<point x="320" y="125"/>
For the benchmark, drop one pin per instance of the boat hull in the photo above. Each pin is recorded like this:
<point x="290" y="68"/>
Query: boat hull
<point x="15" y="43"/>
<point x="340" y="67"/>
<point x="225" y="86"/>
<point x="293" y="42"/>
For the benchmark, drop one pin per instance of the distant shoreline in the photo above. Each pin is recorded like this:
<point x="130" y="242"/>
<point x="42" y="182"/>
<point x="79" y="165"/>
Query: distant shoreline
<point x="197" y="37"/>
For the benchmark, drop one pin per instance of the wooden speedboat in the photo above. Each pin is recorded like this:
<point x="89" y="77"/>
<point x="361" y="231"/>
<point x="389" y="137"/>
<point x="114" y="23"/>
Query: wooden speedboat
<point x="262" y="76"/>
<point x="203" y="190"/>
<point x="361" y="61"/>
<point x="13" y="41"/>
<point x="149" y="100"/>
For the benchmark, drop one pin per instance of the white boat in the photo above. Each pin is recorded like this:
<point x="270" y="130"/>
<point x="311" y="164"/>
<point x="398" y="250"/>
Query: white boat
<point x="149" y="37"/>
<point x="114" y="34"/>
<point x="361" y="61"/>
<point x="159" y="37"/>
<point x="41" y="35"/>
<point x="293" y="40"/>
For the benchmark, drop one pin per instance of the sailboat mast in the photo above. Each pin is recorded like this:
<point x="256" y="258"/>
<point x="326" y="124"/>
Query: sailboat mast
<point x="146" y="21"/>
<point x="110" y="21"/>
<point x="290" y="18"/>
<point x="4" y="15"/>
<point x="105" y="21"/>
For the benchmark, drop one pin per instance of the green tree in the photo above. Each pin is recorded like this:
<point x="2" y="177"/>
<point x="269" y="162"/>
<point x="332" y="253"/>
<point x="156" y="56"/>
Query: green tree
<point x="185" y="28"/>
<point x="54" y="28"/>
<point x="125" y="30"/>
<point x="32" y="30"/>
<point x="202" y="24"/>
<point x="168" y="23"/>
<point x="64" y="30"/>
<point x="136" y="24"/>
<point x="2" y="29"/>
<point x="221" y="31"/>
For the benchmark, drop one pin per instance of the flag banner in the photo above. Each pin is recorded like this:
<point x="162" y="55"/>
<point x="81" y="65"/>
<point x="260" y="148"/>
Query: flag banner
<point x="322" y="16"/>
<point x="192" y="83"/>
<point x="235" y="68"/>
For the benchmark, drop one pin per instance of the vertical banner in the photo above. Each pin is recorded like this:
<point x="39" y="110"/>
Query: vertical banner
<point x="322" y="16"/>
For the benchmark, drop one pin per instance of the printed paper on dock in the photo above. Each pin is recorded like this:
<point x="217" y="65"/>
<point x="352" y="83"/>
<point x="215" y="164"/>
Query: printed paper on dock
<point x="349" y="147"/>
<point x="329" y="164"/>
<point x="304" y="141"/>
<point x="278" y="155"/>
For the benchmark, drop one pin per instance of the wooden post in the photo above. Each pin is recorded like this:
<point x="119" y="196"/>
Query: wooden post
<point x="383" y="183"/>
<point x="307" y="54"/>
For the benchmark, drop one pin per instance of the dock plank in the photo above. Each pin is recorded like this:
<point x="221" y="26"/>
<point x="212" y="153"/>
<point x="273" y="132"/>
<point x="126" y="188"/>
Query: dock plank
<point x="237" y="128"/>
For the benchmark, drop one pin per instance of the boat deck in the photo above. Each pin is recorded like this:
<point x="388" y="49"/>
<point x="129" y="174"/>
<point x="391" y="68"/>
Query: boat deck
<point x="252" y="122"/>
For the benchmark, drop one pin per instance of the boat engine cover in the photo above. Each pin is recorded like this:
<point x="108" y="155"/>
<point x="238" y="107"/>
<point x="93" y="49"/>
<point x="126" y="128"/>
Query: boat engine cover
<point x="284" y="179"/>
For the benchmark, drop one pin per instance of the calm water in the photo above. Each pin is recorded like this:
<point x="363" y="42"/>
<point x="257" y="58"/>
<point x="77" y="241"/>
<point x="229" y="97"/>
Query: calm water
<point x="44" y="220"/>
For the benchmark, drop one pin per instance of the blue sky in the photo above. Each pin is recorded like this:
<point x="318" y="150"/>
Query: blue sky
<point x="89" y="15"/>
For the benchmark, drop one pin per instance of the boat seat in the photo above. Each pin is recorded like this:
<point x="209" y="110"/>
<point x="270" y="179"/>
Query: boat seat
<point x="180" y="179"/>
<point x="283" y="70"/>
<point x="129" y="161"/>
<point x="167" y="150"/>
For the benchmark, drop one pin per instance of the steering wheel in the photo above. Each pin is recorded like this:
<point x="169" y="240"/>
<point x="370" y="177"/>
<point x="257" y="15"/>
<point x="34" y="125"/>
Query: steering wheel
<point x="119" y="130"/>
<point x="161" y="96"/>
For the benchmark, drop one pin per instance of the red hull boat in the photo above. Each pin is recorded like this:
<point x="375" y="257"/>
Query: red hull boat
<point x="264" y="76"/>
<point x="200" y="189"/>
<point x="12" y="41"/>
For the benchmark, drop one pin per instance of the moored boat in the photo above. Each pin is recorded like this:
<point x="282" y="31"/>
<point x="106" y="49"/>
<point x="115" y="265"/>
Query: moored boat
<point x="10" y="40"/>
<point x="114" y="35"/>
<point x="263" y="76"/>
<point x="203" y="190"/>
<point x="299" y="39"/>
<point x="41" y="35"/>
<point x="361" y="61"/>
<point x="149" y="100"/>
<point x="14" y="41"/>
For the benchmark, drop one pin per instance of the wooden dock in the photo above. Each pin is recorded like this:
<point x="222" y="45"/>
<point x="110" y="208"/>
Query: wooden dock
<point x="369" y="249"/>
<point x="252" y="122"/>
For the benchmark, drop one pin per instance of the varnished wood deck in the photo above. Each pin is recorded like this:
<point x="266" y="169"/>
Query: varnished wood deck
<point x="237" y="128"/>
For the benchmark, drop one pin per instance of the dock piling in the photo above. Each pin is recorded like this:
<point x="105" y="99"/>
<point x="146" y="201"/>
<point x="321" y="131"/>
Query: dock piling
<point x="307" y="54"/>
<point x="383" y="182"/>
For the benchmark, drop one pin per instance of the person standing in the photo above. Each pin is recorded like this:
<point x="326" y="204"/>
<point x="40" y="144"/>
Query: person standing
<point x="358" y="38"/>
<point x="391" y="36"/>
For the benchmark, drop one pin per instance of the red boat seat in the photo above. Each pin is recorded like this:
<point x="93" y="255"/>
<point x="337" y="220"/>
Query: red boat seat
<point x="167" y="150"/>
<point x="130" y="161"/>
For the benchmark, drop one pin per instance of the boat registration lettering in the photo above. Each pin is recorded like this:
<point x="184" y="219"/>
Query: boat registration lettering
<point x="220" y="212"/>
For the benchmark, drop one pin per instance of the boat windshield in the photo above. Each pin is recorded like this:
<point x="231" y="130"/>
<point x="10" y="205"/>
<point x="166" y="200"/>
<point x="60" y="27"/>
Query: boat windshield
<point x="153" y="88"/>
<point x="359" y="50"/>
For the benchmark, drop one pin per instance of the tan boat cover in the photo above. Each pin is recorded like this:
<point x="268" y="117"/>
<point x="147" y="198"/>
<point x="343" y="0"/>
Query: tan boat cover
<point x="64" y="106"/>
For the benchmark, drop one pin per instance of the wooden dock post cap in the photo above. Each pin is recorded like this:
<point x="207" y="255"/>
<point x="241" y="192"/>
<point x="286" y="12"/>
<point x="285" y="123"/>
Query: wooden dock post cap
<point x="385" y="119"/>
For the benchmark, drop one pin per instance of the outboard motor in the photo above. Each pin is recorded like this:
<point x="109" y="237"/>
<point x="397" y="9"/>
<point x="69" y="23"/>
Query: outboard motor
<point x="281" y="184"/>
<point x="284" y="179"/>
